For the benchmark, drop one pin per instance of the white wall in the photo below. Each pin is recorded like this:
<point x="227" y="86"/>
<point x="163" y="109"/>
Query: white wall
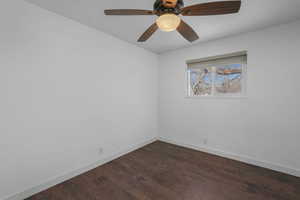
<point x="65" y="91"/>
<point x="265" y="126"/>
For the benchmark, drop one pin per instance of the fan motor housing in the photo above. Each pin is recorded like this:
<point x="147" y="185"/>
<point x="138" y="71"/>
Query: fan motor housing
<point x="161" y="7"/>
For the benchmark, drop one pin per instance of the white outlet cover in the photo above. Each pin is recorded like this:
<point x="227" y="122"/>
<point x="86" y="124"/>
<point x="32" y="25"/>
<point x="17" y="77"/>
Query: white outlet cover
<point x="100" y="151"/>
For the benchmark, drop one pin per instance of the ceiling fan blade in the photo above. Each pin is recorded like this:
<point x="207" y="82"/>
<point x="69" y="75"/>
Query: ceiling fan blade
<point x="148" y="33"/>
<point x="212" y="8"/>
<point x="187" y="32"/>
<point x="128" y="12"/>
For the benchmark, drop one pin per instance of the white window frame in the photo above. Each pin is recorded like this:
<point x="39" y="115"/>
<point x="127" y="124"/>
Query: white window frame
<point x="211" y="59"/>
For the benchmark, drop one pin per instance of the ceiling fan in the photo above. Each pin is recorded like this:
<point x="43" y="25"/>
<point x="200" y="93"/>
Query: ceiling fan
<point x="168" y="12"/>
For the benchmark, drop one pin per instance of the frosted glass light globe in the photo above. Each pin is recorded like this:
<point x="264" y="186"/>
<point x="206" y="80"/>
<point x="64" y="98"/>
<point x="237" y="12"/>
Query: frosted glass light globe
<point x="168" y="22"/>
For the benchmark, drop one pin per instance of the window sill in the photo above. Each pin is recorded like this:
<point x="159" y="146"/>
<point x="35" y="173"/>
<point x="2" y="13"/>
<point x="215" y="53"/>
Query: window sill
<point x="217" y="97"/>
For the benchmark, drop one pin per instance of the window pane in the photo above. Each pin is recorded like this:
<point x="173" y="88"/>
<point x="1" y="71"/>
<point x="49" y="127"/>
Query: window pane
<point x="228" y="80"/>
<point x="200" y="82"/>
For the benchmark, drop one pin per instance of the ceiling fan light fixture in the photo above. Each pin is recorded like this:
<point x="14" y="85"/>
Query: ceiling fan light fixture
<point x="168" y="22"/>
<point x="168" y="12"/>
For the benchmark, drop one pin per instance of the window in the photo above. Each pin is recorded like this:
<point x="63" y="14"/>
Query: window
<point x="220" y="76"/>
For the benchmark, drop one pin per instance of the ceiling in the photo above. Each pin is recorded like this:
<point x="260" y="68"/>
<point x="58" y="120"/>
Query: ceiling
<point x="254" y="14"/>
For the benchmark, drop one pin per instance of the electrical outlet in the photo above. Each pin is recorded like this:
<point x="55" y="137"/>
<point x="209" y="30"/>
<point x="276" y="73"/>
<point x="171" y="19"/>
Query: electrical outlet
<point x="100" y="151"/>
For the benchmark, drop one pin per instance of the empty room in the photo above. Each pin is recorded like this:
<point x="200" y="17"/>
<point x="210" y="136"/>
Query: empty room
<point x="149" y="100"/>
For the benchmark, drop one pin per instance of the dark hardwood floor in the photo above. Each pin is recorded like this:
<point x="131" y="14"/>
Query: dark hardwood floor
<point x="162" y="171"/>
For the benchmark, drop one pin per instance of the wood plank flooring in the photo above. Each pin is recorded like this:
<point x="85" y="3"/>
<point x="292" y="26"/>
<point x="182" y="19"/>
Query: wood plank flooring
<point x="162" y="171"/>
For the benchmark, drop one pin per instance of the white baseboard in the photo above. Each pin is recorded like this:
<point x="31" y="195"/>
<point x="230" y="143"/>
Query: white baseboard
<point x="241" y="158"/>
<point x="59" y="179"/>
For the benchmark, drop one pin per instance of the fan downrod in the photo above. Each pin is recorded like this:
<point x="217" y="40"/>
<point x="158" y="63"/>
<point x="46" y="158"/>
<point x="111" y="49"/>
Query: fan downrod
<point x="168" y="6"/>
